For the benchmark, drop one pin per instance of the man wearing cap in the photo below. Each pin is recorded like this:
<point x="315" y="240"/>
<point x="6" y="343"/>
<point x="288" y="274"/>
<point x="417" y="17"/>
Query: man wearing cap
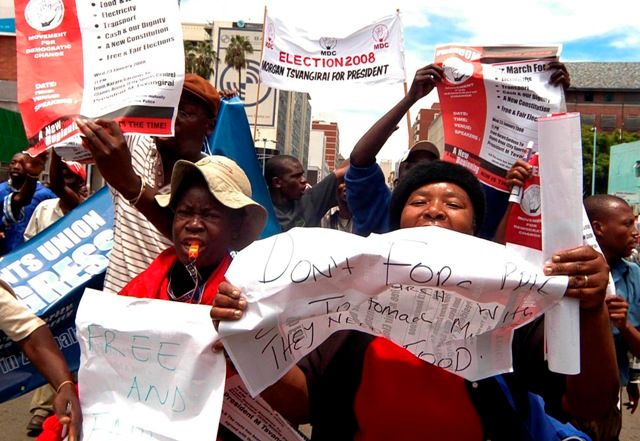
<point x="67" y="179"/>
<point x="20" y="196"/>
<point x="139" y="168"/>
<point x="368" y="195"/>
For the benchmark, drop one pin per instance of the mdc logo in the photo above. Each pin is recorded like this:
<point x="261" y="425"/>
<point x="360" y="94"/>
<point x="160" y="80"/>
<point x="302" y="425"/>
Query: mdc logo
<point x="271" y="35"/>
<point x="380" y="34"/>
<point x="328" y="45"/>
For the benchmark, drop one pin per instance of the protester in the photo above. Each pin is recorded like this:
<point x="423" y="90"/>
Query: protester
<point x="213" y="215"/>
<point x="369" y="196"/>
<point x="139" y="168"/>
<point x="339" y="217"/>
<point x="20" y="195"/>
<point x="37" y="343"/>
<point x="295" y="204"/>
<point x="615" y="230"/>
<point x="67" y="180"/>
<point x="358" y="386"/>
<point x="213" y="211"/>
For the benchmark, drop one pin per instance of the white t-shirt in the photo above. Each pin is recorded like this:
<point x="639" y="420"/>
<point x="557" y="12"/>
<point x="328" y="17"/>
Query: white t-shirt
<point x="45" y="214"/>
<point x="136" y="241"/>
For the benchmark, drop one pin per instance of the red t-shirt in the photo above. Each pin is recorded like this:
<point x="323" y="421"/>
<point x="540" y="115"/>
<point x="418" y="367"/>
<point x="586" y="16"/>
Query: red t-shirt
<point x="153" y="282"/>
<point x="364" y="387"/>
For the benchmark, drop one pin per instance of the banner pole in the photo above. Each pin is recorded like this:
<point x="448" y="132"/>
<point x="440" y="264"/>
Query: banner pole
<point x="255" y="117"/>
<point x="406" y="91"/>
<point x="409" y="132"/>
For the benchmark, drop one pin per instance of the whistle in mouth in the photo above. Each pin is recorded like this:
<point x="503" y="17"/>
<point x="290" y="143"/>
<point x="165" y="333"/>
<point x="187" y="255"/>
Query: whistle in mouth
<point x="193" y="251"/>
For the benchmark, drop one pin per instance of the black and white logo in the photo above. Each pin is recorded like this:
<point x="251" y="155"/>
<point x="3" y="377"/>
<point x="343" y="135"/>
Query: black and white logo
<point x="44" y="15"/>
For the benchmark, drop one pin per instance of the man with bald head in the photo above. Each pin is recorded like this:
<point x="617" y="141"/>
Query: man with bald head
<point x="615" y="230"/>
<point x="295" y="204"/>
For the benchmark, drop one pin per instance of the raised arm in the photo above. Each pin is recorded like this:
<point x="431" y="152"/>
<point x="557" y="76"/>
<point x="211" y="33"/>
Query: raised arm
<point x="517" y="174"/>
<point x="365" y="151"/>
<point x="112" y="156"/>
<point x="33" y="167"/>
<point x="68" y="197"/>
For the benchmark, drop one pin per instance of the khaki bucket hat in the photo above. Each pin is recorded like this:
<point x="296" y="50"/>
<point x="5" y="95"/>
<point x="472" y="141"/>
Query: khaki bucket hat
<point x="229" y="185"/>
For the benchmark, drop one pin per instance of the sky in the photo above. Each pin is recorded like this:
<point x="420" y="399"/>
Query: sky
<point x="587" y="31"/>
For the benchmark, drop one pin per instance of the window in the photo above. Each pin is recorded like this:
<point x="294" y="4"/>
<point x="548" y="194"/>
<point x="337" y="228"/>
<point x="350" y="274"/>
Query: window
<point x="588" y="119"/>
<point x="588" y="97"/>
<point x="608" y="97"/>
<point x="608" y="122"/>
<point x="632" y="123"/>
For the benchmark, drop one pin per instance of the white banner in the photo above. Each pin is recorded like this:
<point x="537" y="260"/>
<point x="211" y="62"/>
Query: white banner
<point x="560" y="146"/>
<point x="433" y="291"/>
<point x="293" y="60"/>
<point x="147" y="371"/>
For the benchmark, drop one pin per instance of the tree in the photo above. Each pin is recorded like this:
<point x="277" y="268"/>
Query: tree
<point x="199" y="58"/>
<point x="604" y="141"/>
<point x="236" y="56"/>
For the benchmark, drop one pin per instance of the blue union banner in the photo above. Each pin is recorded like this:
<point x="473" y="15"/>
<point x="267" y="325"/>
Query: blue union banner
<point x="49" y="274"/>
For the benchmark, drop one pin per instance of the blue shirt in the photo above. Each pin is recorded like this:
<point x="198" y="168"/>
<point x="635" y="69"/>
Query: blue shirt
<point x="626" y="277"/>
<point x="14" y="228"/>
<point x="368" y="199"/>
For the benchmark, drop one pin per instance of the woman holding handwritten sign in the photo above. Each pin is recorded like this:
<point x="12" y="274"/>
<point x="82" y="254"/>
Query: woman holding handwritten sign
<point x="359" y="386"/>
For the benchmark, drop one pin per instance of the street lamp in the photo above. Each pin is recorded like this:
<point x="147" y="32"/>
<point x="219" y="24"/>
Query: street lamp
<point x="264" y="151"/>
<point x="593" y="167"/>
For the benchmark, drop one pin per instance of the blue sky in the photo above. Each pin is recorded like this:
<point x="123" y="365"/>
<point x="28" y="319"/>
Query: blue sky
<point x="588" y="31"/>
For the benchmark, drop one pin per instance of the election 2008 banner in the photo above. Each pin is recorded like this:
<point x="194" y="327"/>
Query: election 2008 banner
<point x="293" y="60"/>
<point x="109" y="58"/>
<point x="491" y="98"/>
<point x="49" y="274"/>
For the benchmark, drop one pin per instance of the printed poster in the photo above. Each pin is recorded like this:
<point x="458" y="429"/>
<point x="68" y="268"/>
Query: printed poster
<point x="48" y="274"/>
<point x="103" y="58"/>
<point x="491" y="98"/>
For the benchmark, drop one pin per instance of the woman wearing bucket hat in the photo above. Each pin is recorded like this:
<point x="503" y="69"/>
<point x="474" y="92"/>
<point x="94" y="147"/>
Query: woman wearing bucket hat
<point x="359" y="386"/>
<point x="213" y="214"/>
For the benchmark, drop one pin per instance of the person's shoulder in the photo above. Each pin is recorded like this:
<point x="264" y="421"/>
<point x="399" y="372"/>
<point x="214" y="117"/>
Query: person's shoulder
<point x="47" y="204"/>
<point x="44" y="192"/>
<point x="633" y="267"/>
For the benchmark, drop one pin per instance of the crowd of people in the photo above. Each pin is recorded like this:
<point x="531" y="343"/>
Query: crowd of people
<point x="179" y="214"/>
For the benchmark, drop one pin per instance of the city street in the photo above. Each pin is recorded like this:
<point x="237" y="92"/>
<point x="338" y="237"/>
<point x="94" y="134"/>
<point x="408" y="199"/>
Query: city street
<point x="14" y="418"/>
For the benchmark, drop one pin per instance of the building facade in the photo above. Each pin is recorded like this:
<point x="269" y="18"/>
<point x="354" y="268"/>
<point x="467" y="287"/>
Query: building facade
<point x="332" y="141"/>
<point x="607" y="95"/>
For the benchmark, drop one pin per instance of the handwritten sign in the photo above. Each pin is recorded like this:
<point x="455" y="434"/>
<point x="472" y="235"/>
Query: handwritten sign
<point x="147" y="370"/>
<point x="430" y="290"/>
